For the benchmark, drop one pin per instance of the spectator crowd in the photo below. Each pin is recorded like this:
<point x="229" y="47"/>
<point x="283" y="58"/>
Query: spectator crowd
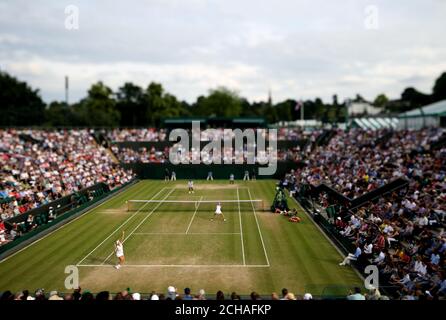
<point x="155" y="153"/>
<point x="172" y="293"/>
<point x="142" y="155"/>
<point x="38" y="167"/>
<point x="402" y="232"/>
<point x="137" y="135"/>
<point x="155" y="135"/>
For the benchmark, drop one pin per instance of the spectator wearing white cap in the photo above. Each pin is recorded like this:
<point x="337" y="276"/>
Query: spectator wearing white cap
<point x="308" y="296"/>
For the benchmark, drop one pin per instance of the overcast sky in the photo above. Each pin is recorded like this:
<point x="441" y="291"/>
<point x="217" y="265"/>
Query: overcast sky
<point x="297" y="48"/>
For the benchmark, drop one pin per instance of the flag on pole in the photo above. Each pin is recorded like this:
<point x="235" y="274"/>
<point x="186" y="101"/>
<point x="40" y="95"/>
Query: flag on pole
<point x="66" y="89"/>
<point x="298" y="105"/>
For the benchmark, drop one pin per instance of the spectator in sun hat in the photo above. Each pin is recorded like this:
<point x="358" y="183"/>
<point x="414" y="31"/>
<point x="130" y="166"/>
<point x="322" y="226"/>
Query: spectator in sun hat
<point x="290" y="296"/>
<point x="136" y="296"/>
<point x="374" y="294"/>
<point x="201" y="294"/>
<point x="171" y="292"/>
<point x="154" y="296"/>
<point x="54" y="295"/>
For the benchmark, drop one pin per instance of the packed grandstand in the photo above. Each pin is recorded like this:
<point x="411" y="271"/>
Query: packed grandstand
<point x="401" y="230"/>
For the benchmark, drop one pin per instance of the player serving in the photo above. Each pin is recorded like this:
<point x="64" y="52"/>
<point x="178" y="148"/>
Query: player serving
<point x="119" y="250"/>
<point x="190" y="184"/>
<point x="218" y="212"/>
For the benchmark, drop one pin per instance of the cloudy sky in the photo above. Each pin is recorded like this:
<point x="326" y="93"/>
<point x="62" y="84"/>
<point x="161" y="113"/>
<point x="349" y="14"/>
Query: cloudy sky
<point x="296" y="48"/>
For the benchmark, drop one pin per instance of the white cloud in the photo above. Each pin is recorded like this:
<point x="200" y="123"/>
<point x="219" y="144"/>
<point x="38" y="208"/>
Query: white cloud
<point x="299" y="49"/>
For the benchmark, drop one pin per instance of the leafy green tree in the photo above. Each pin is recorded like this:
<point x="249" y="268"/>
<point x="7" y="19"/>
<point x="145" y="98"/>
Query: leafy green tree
<point x="161" y="105"/>
<point x="270" y="113"/>
<point x="359" y="98"/>
<point x="20" y="105"/>
<point x="319" y="109"/>
<point x="60" y="114"/>
<point x="173" y="107"/>
<point x="220" y="102"/>
<point x="250" y="109"/>
<point x="414" y="98"/>
<point x="439" y="90"/>
<point x="131" y="106"/>
<point x="99" y="108"/>
<point x="381" y="101"/>
<point x="285" y="110"/>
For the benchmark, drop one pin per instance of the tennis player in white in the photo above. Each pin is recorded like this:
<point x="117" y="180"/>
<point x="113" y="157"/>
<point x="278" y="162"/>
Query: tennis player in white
<point x="190" y="184"/>
<point x="119" y="250"/>
<point x="218" y="212"/>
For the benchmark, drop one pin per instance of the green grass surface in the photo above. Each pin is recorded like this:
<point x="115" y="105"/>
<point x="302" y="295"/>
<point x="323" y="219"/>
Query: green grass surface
<point x="173" y="244"/>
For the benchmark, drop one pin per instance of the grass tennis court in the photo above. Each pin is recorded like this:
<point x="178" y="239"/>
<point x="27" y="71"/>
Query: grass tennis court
<point x="171" y="243"/>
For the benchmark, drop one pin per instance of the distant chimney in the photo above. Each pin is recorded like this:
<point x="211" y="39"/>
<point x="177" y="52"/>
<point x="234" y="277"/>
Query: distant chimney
<point x="66" y="89"/>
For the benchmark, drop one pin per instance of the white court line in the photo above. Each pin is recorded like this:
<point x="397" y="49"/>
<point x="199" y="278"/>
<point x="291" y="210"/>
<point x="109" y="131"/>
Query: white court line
<point x="195" y="212"/>
<point x="258" y="227"/>
<point x="178" y="266"/>
<point x="146" y="217"/>
<point x="125" y="222"/>
<point x="111" y="196"/>
<point x="184" y="234"/>
<point x="241" y="229"/>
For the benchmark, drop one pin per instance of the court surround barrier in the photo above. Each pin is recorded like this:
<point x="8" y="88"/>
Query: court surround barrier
<point x="309" y="191"/>
<point x="61" y="205"/>
<point x="200" y="171"/>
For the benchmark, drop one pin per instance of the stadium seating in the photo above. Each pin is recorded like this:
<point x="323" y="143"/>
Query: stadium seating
<point x="405" y="226"/>
<point x="41" y="166"/>
<point x="385" y="188"/>
<point x="121" y="139"/>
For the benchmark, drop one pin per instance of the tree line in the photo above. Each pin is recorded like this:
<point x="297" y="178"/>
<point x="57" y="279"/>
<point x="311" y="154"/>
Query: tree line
<point x="134" y="106"/>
